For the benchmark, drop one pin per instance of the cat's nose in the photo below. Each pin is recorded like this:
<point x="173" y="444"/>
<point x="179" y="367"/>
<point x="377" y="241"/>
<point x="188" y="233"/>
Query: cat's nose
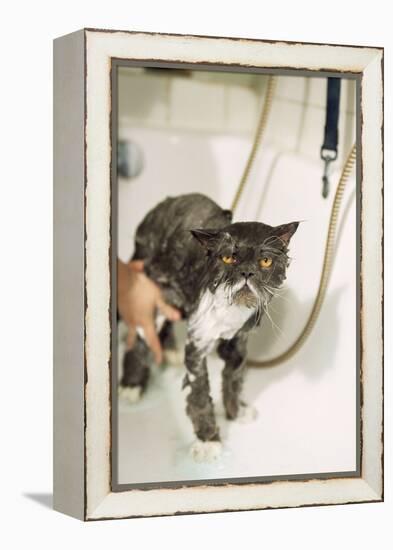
<point x="247" y="274"/>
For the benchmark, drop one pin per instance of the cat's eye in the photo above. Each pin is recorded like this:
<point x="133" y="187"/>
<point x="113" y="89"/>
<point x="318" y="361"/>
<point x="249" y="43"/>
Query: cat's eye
<point x="228" y="259"/>
<point x="266" y="262"/>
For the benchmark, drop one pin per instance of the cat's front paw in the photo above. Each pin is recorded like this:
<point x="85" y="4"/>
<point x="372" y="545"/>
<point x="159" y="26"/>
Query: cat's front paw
<point x="205" y="451"/>
<point x="131" y="394"/>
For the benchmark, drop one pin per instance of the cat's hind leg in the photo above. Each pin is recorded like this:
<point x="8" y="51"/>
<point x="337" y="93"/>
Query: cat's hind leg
<point x="138" y="360"/>
<point x="234" y="352"/>
<point x="136" y="370"/>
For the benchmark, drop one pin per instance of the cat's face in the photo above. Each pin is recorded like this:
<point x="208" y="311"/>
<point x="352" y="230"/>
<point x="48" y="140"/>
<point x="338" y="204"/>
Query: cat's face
<point x="247" y="259"/>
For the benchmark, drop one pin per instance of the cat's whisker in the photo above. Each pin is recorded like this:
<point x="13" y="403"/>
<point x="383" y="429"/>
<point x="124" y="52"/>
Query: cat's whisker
<point x="274" y="325"/>
<point x="258" y="315"/>
<point x="287" y="300"/>
<point x="271" y="292"/>
<point x="276" y="311"/>
<point x="277" y="292"/>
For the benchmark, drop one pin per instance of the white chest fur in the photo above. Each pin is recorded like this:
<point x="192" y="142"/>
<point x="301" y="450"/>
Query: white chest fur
<point x="216" y="318"/>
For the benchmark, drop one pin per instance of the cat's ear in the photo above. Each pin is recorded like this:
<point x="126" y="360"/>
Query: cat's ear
<point x="207" y="237"/>
<point x="286" y="231"/>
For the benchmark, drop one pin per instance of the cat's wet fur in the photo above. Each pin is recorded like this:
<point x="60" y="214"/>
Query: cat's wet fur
<point x="183" y="242"/>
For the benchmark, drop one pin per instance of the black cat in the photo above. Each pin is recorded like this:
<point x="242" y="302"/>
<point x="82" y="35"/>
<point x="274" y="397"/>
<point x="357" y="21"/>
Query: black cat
<point x="222" y="277"/>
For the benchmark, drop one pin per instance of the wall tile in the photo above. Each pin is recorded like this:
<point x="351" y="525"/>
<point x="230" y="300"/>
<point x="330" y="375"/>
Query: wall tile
<point x="228" y="79"/>
<point x="317" y="92"/>
<point x="352" y="97"/>
<point x="242" y="109"/>
<point x="143" y="98"/>
<point x="348" y="95"/>
<point x="284" y="123"/>
<point x="197" y="105"/>
<point x="291" y="87"/>
<point x="347" y="135"/>
<point x="312" y="132"/>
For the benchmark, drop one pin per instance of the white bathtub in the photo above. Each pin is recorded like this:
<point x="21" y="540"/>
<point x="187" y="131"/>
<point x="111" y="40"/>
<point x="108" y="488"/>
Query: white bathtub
<point x="307" y="406"/>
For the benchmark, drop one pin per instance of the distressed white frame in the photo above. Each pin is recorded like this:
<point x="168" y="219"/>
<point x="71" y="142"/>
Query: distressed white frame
<point x="99" y="502"/>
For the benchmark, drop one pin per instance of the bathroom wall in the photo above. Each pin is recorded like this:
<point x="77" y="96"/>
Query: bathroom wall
<point x="227" y="102"/>
<point x="185" y="100"/>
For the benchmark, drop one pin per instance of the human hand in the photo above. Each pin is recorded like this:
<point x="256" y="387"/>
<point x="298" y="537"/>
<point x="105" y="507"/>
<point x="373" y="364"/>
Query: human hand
<point x="138" y="300"/>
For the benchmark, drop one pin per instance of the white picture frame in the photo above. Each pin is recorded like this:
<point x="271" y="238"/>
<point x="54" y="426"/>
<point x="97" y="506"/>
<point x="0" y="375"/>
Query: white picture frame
<point x="83" y="254"/>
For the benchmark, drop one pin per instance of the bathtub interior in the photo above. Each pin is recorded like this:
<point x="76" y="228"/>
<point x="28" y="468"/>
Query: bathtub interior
<point x="307" y="406"/>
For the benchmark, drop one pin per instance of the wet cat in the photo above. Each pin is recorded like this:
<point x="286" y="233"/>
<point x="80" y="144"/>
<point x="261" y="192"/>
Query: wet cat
<point x="222" y="276"/>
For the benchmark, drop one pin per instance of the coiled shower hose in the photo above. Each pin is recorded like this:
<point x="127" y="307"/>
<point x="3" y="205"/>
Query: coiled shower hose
<point x="331" y="235"/>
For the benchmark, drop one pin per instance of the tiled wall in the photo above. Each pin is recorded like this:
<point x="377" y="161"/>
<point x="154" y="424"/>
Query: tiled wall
<point x="298" y="116"/>
<point x="212" y="102"/>
<point x="231" y="103"/>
